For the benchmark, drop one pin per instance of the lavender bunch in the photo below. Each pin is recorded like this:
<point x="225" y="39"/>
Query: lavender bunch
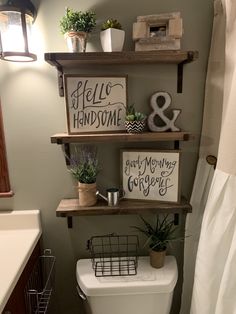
<point x="84" y="164"/>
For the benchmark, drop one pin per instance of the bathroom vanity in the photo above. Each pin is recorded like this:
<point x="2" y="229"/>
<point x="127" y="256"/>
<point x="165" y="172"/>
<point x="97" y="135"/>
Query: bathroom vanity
<point x="20" y="232"/>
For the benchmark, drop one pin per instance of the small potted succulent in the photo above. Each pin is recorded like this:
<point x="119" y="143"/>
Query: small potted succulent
<point x="134" y="121"/>
<point x="158" y="238"/>
<point x="75" y="26"/>
<point x="112" y="36"/>
<point x="84" y="168"/>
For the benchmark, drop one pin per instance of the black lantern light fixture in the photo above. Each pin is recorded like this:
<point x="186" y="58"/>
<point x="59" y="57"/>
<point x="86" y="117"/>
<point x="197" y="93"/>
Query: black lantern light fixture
<point x="16" y="19"/>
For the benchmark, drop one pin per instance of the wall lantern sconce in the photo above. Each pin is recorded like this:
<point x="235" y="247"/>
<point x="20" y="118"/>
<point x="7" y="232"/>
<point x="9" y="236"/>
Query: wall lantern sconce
<point x="16" y="19"/>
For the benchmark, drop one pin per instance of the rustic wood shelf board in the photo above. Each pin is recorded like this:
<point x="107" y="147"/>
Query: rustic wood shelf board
<point x="70" y="207"/>
<point x="67" y="59"/>
<point x="64" y="138"/>
<point x="64" y="61"/>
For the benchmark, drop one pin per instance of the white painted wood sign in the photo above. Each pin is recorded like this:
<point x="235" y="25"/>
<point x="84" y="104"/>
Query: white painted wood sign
<point x="151" y="175"/>
<point x="95" y="103"/>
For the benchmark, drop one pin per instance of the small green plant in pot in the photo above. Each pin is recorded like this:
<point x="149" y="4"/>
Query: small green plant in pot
<point x="135" y="121"/>
<point x="75" y="26"/>
<point x="158" y="238"/>
<point x="84" y="168"/>
<point x="111" y="23"/>
<point x="112" y="36"/>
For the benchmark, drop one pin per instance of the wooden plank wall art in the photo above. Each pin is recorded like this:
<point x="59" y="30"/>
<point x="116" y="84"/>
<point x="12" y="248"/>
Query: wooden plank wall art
<point x="5" y="189"/>
<point x="95" y="103"/>
<point x="151" y="175"/>
<point x="158" y="32"/>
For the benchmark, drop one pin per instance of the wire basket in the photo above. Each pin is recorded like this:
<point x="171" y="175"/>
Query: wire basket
<point x="114" y="255"/>
<point x="39" y="287"/>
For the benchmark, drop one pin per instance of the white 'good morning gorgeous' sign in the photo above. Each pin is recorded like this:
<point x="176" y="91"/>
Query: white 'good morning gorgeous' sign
<point x="95" y="104"/>
<point x="151" y="175"/>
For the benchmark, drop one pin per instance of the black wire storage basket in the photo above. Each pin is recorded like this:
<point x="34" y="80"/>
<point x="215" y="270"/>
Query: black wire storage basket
<point x="114" y="255"/>
<point x="39" y="287"/>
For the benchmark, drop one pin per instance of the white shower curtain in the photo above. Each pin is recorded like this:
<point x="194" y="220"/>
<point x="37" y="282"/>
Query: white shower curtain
<point x="214" y="290"/>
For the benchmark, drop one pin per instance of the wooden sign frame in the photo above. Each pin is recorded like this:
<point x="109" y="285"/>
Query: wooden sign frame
<point x="151" y="174"/>
<point x="5" y="188"/>
<point x="95" y="103"/>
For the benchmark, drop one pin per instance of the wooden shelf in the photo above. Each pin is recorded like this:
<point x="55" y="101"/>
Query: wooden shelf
<point x="70" y="207"/>
<point x="64" y="138"/>
<point x="67" y="59"/>
<point x="64" y="61"/>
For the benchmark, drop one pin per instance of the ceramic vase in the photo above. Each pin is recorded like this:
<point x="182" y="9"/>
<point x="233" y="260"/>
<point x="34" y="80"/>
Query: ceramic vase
<point x="135" y="126"/>
<point x="112" y="39"/>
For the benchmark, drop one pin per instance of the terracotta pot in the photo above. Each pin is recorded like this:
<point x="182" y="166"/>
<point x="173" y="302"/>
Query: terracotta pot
<point x="76" y="41"/>
<point x="87" y="194"/>
<point x="157" y="259"/>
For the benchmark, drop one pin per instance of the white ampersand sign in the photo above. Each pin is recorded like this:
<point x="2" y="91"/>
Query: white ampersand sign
<point x="159" y="111"/>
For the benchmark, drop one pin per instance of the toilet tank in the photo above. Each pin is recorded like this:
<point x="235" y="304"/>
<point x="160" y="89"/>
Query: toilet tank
<point x="149" y="292"/>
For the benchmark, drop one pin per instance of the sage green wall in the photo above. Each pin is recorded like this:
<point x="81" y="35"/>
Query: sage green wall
<point x="33" y="111"/>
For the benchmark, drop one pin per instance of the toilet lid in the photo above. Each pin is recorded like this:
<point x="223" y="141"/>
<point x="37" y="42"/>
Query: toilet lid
<point x="147" y="280"/>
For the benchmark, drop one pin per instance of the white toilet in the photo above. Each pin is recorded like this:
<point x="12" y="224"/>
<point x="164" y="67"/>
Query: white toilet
<point x="148" y="292"/>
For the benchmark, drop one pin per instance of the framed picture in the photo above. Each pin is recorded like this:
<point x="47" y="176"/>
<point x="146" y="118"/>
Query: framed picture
<point x="151" y="175"/>
<point x="95" y="103"/>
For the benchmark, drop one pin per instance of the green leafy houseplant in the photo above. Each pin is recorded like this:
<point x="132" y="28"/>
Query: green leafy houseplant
<point x="134" y="121"/>
<point x="133" y="115"/>
<point x="112" y="36"/>
<point x="111" y="23"/>
<point x="158" y="238"/>
<point x="84" y="164"/>
<point x="159" y="235"/>
<point x="77" y="21"/>
<point x="84" y="168"/>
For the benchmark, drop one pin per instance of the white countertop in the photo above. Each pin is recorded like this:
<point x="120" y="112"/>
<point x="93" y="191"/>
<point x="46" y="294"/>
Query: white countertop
<point x="19" y="233"/>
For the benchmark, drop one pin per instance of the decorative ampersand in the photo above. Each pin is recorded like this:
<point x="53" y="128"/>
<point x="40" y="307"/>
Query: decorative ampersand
<point x="159" y="111"/>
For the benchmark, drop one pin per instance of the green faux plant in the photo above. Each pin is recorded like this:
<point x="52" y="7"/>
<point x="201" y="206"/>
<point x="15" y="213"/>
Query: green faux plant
<point x="84" y="164"/>
<point x="159" y="235"/>
<point x="133" y="115"/>
<point x="111" y="23"/>
<point x="77" y="21"/>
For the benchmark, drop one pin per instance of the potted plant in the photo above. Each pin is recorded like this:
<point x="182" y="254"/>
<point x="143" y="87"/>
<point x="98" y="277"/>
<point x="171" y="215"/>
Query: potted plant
<point x="75" y="26"/>
<point x="112" y="36"/>
<point x="84" y="168"/>
<point x="134" y="121"/>
<point x="158" y="238"/>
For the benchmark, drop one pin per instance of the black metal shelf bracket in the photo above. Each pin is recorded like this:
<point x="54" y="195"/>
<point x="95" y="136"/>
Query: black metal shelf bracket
<point x="60" y="81"/>
<point x="176" y="219"/>
<point x="180" y="70"/>
<point x="69" y="222"/>
<point x="67" y="153"/>
<point x="180" y="77"/>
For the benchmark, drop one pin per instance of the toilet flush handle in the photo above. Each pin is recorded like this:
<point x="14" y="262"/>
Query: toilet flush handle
<point x="80" y="293"/>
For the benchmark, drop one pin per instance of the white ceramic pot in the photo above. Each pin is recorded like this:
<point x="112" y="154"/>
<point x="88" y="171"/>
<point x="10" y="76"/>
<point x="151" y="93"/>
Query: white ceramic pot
<point x="112" y="39"/>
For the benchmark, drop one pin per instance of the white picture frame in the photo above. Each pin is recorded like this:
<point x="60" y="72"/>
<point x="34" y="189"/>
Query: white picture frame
<point x="151" y="175"/>
<point x="95" y="103"/>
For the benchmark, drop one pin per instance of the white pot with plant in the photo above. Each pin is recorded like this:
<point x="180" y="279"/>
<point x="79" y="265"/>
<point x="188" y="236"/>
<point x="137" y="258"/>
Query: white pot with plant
<point x="158" y="238"/>
<point x="135" y="121"/>
<point x="75" y="26"/>
<point x="112" y="36"/>
<point x="84" y="168"/>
